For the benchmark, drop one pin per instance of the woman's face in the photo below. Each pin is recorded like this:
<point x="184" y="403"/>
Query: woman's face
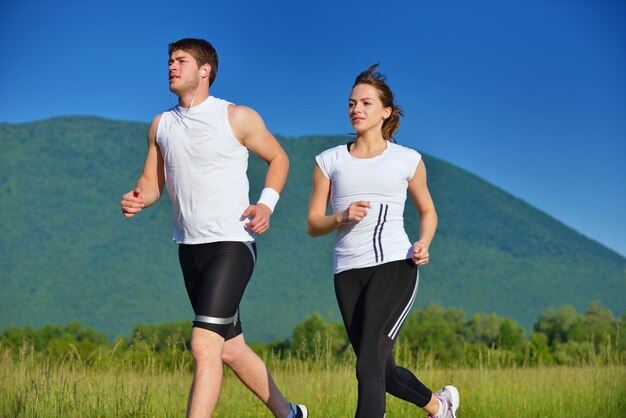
<point x="365" y="109"/>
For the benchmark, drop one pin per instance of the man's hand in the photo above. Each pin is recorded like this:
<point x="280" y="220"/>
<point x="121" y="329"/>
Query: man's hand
<point x="260" y="218"/>
<point x="132" y="203"/>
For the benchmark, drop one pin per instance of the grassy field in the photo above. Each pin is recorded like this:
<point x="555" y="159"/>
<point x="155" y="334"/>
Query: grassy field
<point x="72" y="387"/>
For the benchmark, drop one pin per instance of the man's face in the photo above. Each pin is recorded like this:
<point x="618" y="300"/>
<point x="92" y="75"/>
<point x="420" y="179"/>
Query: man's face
<point x="184" y="73"/>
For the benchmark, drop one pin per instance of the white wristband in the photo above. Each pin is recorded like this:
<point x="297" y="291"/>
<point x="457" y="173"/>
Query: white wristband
<point x="269" y="197"/>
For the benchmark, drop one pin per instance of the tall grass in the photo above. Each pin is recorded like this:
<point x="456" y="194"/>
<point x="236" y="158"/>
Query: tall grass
<point x="133" y="385"/>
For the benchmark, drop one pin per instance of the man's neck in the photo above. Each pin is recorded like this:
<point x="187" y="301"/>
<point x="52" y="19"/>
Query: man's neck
<point x="192" y="100"/>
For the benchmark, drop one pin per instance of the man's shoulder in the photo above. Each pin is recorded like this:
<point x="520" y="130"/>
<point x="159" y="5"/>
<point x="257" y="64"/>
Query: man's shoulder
<point x="157" y="119"/>
<point x="243" y="117"/>
<point x="154" y="126"/>
<point x="241" y="110"/>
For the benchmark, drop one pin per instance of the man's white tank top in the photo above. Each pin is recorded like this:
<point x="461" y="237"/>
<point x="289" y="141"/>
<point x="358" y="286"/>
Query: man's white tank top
<point x="383" y="180"/>
<point x="205" y="173"/>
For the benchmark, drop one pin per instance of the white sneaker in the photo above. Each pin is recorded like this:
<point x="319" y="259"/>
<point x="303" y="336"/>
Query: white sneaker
<point x="449" y="397"/>
<point x="299" y="411"/>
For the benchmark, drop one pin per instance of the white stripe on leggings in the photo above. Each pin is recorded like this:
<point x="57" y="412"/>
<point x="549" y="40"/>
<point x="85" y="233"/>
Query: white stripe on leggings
<point x="394" y="331"/>
<point x="249" y="245"/>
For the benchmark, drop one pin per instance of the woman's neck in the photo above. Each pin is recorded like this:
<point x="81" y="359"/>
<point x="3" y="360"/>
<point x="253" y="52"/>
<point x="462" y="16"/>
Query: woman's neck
<point x="368" y="146"/>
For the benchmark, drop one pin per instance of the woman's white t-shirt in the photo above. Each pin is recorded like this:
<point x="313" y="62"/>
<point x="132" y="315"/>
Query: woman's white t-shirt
<point x="383" y="180"/>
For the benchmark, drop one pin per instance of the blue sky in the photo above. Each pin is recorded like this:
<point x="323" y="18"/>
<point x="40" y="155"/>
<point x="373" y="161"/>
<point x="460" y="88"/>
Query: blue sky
<point x="529" y="95"/>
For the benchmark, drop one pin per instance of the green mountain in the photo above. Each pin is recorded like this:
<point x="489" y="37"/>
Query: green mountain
<point x="66" y="252"/>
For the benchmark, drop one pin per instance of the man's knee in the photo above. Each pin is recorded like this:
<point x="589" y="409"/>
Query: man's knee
<point x="205" y="345"/>
<point x="232" y="351"/>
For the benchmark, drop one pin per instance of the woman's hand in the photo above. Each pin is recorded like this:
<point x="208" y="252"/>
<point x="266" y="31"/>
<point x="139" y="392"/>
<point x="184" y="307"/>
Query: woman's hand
<point x="420" y="253"/>
<point x="354" y="213"/>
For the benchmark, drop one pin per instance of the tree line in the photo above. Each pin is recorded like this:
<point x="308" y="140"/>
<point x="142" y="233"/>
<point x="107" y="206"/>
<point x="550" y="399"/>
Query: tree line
<point x="443" y="336"/>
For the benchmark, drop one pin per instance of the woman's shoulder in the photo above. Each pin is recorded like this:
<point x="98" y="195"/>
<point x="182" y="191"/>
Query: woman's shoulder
<point x="333" y="152"/>
<point x="327" y="160"/>
<point x="402" y="150"/>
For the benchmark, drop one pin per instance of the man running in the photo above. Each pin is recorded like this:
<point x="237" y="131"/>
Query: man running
<point x="199" y="149"/>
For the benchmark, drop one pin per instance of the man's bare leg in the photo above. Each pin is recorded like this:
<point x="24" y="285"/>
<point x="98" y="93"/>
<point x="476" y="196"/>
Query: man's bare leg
<point x="253" y="372"/>
<point x="206" y="347"/>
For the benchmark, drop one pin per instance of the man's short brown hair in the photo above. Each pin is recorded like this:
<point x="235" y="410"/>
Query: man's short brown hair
<point x="201" y="50"/>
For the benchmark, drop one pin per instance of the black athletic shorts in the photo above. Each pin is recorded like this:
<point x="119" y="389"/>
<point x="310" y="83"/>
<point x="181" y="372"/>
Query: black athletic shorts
<point x="216" y="275"/>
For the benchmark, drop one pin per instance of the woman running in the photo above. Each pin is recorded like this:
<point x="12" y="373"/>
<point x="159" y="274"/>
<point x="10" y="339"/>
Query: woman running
<point x="375" y="265"/>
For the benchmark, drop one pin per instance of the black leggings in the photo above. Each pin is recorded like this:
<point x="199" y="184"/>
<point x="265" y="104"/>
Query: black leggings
<point x="374" y="302"/>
